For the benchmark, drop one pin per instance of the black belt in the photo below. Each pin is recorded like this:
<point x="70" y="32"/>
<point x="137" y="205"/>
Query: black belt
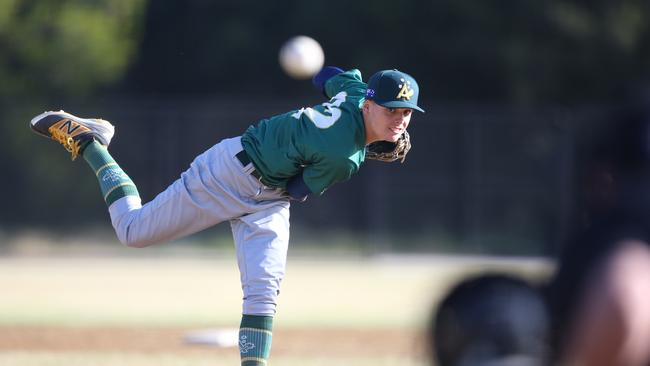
<point x="244" y="159"/>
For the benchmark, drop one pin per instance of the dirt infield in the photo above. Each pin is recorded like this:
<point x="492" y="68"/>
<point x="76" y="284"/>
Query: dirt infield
<point x="323" y="342"/>
<point x="56" y="314"/>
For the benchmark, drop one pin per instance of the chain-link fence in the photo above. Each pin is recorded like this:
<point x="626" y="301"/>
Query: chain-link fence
<point x="478" y="179"/>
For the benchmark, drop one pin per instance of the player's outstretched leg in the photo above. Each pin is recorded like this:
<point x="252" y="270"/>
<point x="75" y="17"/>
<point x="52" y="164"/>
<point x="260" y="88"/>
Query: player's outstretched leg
<point x="90" y="138"/>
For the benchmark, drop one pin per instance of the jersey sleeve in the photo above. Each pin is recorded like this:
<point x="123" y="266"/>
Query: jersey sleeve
<point x="349" y="82"/>
<point x="318" y="177"/>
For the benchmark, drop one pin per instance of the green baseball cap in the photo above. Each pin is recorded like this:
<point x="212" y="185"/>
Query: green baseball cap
<point x="393" y="89"/>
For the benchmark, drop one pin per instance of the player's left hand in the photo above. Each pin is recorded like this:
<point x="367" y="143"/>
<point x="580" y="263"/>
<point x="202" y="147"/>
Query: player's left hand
<point x="389" y="151"/>
<point x="323" y="75"/>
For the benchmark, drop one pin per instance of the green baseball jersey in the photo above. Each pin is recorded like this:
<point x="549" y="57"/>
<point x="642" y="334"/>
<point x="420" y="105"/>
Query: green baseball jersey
<point x="325" y="143"/>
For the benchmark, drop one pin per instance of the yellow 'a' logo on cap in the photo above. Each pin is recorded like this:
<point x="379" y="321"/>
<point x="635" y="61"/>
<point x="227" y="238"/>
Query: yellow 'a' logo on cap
<point x="405" y="91"/>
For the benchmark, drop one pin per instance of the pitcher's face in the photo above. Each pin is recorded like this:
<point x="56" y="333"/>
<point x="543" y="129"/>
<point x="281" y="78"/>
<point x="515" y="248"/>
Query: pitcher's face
<point x="384" y="124"/>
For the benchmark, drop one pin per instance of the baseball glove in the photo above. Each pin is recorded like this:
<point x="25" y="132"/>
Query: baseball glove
<point x="389" y="151"/>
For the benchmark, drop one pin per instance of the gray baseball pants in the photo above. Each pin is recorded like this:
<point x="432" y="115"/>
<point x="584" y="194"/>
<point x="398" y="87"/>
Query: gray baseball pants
<point x="216" y="188"/>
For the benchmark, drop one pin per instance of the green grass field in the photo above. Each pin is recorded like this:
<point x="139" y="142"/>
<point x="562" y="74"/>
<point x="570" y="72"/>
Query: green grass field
<point x="88" y="310"/>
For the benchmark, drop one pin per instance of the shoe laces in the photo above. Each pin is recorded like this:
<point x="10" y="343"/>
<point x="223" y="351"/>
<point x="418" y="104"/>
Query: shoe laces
<point x="70" y="144"/>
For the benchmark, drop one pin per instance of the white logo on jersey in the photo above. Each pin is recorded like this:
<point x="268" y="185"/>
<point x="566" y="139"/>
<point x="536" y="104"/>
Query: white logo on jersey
<point x="323" y="120"/>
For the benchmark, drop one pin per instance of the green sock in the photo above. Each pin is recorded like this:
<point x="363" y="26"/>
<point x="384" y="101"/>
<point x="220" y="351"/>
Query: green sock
<point x="113" y="182"/>
<point x="255" y="339"/>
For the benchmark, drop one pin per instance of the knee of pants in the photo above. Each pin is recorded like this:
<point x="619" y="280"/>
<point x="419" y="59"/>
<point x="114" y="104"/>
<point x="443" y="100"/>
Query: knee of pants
<point x="123" y="236"/>
<point x="123" y="213"/>
<point x="260" y="304"/>
<point x="123" y="225"/>
<point x="133" y="243"/>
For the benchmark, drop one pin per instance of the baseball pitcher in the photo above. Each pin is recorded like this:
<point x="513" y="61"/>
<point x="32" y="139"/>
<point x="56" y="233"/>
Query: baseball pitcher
<point x="251" y="179"/>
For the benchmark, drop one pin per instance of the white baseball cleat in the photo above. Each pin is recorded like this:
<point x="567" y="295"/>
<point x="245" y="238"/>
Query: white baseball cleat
<point x="72" y="132"/>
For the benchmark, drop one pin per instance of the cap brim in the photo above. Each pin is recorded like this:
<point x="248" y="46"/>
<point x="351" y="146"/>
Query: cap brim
<point x="401" y="104"/>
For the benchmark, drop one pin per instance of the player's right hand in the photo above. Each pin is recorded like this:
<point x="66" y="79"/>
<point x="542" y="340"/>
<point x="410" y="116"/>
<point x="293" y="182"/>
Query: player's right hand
<point x="297" y="189"/>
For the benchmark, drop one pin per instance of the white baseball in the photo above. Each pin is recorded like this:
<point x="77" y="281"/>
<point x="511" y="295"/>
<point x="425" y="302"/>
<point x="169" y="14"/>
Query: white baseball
<point x="301" y="57"/>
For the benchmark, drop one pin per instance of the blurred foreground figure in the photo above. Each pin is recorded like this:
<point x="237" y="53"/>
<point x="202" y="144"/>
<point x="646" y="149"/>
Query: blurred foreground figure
<point x="490" y="320"/>
<point x="600" y="296"/>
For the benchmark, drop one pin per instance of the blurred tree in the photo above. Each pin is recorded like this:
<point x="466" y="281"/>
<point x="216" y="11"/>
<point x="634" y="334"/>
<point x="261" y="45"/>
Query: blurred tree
<point x="69" y="47"/>
<point x="513" y="51"/>
<point x="53" y="51"/>
<point x="163" y="61"/>
<point x="495" y="50"/>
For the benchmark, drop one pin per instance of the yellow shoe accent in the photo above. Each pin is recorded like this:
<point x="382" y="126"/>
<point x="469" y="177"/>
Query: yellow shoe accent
<point x="68" y="133"/>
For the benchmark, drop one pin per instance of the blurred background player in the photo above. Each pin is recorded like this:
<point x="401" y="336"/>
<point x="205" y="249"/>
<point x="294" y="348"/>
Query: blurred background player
<point x="490" y="320"/>
<point x="600" y="295"/>
<point x="249" y="180"/>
